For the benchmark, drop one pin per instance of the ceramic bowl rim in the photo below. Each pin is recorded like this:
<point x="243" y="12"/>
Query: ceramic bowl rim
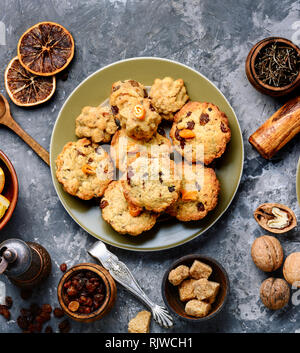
<point x="15" y="185"/>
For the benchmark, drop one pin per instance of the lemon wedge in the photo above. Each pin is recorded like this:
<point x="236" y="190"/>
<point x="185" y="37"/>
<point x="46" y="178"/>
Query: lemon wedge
<point x="4" y="204"/>
<point x="2" y="180"/>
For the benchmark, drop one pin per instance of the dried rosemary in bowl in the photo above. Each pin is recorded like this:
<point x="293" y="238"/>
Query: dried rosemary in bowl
<point x="277" y="65"/>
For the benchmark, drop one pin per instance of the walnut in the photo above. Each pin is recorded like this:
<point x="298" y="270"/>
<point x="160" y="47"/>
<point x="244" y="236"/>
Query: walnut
<point x="267" y="253"/>
<point x="274" y="293"/>
<point x="291" y="269"/>
<point x="275" y="217"/>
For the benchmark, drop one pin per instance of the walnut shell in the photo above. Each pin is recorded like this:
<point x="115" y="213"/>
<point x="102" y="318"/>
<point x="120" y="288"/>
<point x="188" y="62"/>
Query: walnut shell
<point x="274" y="293"/>
<point x="267" y="253"/>
<point x="291" y="269"/>
<point x="264" y="213"/>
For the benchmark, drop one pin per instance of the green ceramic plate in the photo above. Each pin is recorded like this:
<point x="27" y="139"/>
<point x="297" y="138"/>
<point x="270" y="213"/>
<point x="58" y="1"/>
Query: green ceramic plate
<point x="298" y="182"/>
<point x="94" y="90"/>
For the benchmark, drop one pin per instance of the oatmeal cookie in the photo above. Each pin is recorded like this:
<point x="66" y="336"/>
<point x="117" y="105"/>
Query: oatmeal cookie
<point x="84" y="169"/>
<point x="152" y="183"/>
<point x="121" y="91"/>
<point x="96" y="123"/>
<point x="116" y="212"/>
<point x="168" y="96"/>
<point x="200" y="132"/>
<point x="124" y="149"/>
<point x="198" y="195"/>
<point x="139" y="118"/>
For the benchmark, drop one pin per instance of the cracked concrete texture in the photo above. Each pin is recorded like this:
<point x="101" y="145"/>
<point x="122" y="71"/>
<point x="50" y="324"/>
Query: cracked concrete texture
<point x="213" y="37"/>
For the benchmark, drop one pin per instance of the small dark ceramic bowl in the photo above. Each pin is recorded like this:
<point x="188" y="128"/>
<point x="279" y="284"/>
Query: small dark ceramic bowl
<point x="110" y="292"/>
<point x="11" y="188"/>
<point x="171" y="296"/>
<point x="252" y="75"/>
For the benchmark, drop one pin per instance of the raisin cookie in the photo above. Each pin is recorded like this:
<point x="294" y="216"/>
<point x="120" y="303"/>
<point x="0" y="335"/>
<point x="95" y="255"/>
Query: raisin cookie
<point x="124" y="149"/>
<point x="198" y="195"/>
<point x="116" y="211"/>
<point x="139" y="118"/>
<point x="96" y="123"/>
<point x="152" y="183"/>
<point x="121" y="91"/>
<point x="200" y="132"/>
<point x="168" y="96"/>
<point x="84" y="169"/>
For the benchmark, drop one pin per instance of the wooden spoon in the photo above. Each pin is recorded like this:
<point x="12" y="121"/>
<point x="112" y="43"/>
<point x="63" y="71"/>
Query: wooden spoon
<point x="7" y="120"/>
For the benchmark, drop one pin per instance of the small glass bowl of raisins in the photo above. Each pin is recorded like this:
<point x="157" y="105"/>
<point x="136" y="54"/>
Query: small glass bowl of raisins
<point x="86" y="292"/>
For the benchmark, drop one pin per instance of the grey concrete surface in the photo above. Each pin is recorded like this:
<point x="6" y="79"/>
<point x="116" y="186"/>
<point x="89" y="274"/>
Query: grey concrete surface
<point x="213" y="37"/>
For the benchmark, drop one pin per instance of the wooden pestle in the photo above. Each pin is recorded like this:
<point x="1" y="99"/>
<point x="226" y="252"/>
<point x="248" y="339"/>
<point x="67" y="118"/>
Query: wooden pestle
<point x="278" y="130"/>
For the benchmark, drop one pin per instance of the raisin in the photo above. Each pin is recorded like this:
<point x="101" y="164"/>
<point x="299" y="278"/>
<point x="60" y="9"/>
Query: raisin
<point x="58" y="312"/>
<point x="145" y="93"/>
<point x="26" y="293"/>
<point x="46" y="308"/>
<point x="190" y="125"/>
<point x="160" y="177"/>
<point x="114" y="109"/>
<point x="151" y="107"/>
<point x="103" y="204"/>
<point x="8" y="302"/>
<point x="48" y="329"/>
<point x="134" y="83"/>
<point x="115" y="88"/>
<point x="90" y="160"/>
<point x="72" y="291"/>
<point x="204" y="119"/>
<point x="179" y="138"/>
<point x="161" y="131"/>
<point x="22" y="322"/>
<point x="64" y="326"/>
<point x="35" y="309"/>
<point x="171" y="188"/>
<point x="63" y="267"/>
<point x="188" y="113"/>
<point x="209" y="109"/>
<point x="5" y="312"/>
<point x="224" y="128"/>
<point x="200" y="207"/>
<point x="117" y="121"/>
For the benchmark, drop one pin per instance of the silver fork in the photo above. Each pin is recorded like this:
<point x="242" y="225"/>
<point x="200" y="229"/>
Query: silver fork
<point x="121" y="273"/>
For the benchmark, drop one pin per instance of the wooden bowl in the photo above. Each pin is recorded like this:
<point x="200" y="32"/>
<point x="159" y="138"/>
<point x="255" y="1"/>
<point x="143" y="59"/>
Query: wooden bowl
<point x="251" y="73"/>
<point x="171" y="296"/>
<point x="11" y="188"/>
<point x="110" y="298"/>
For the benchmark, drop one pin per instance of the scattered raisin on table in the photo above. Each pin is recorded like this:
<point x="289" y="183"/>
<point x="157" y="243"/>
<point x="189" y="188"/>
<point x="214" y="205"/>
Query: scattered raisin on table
<point x="8" y="302"/>
<point x="48" y="329"/>
<point x="64" y="326"/>
<point x="58" y="312"/>
<point x="63" y="267"/>
<point x="26" y="293"/>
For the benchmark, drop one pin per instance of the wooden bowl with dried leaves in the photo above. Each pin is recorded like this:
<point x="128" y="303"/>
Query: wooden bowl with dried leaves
<point x="261" y="73"/>
<point x="275" y="217"/>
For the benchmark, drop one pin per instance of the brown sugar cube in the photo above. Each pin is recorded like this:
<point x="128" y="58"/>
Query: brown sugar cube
<point x="186" y="290"/>
<point x="205" y="289"/>
<point x="140" y="323"/>
<point x="177" y="275"/>
<point x="200" y="270"/>
<point x="197" y="308"/>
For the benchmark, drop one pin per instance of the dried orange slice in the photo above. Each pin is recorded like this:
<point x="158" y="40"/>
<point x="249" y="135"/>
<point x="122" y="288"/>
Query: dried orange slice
<point x="139" y="111"/>
<point x="26" y="89"/>
<point x="4" y="204"/>
<point x="46" y="48"/>
<point x="2" y="180"/>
